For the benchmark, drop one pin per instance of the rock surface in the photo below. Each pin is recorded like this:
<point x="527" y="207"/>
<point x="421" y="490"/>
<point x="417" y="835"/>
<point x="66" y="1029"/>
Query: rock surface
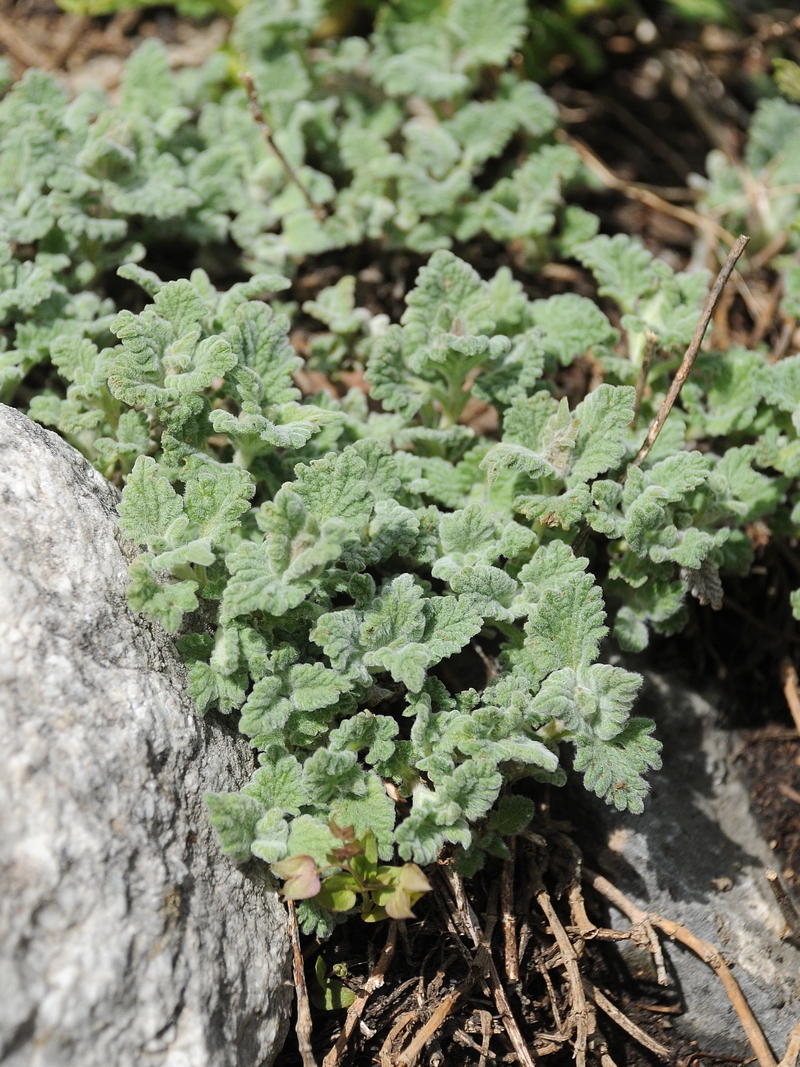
<point x="126" y="938"/>
<point x="696" y="856"/>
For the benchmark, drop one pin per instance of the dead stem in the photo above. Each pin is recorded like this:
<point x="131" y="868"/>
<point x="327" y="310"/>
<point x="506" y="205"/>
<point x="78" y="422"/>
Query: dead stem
<point x="767" y="314"/>
<point x="410" y="1054"/>
<point x="691" y="352"/>
<point x="791" y="690"/>
<point x="356" y="1009"/>
<point x="384" y="1055"/>
<point x="20" y="48"/>
<point x="645" y="196"/>
<point x="626" y="1024"/>
<point x="580" y="1011"/>
<point x="792" y="1048"/>
<point x="256" y="111"/>
<point x="509" y="921"/>
<point x="707" y="952"/>
<point x="500" y="998"/>
<point x="784" y="902"/>
<point x="783" y="342"/>
<point x="303" y="1027"/>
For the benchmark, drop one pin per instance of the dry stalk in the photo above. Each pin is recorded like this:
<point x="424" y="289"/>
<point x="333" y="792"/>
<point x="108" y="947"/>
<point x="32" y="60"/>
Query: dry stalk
<point x="411" y="1053"/>
<point x="256" y="111"/>
<point x="384" y="1055"/>
<point x="784" y="340"/>
<point x="626" y="1024"/>
<point x="691" y="352"/>
<point x="470" y="921"/>
<point x="21" y="48"/>
<point x="792" y="1049"/>
<point x="580" y="1012"/>
<point x="301" y="992"/>
<point x="785" y="903"/>
<point x="791" y="690"/>
<point x="706" y="952"/>
<point x="644" y="195"/>
<point x="509" y="921"/>
<point x="356" y="1009"/>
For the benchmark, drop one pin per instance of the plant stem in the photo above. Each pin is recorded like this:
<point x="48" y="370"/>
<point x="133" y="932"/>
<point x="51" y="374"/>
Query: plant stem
<point x="691" y="352"/>
<point x="255" y="110"/>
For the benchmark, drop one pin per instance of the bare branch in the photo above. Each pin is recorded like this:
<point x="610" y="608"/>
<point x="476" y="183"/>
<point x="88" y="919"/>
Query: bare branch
<point x="256" y="111"/>
<point x="303" y="1010"/>
<point x="691" y="352"/>
<point x="707" y="953"/>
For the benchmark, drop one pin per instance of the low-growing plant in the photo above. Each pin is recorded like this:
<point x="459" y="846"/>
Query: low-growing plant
<point x="323" y="558"/>
<point x="328" y="559"/>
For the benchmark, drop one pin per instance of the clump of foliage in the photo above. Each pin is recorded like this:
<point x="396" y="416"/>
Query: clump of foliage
<point x="86" y="185"/>
<point x="329" y="558"/>
<point x="321" y="559"/>
<point x="761" y="196"/>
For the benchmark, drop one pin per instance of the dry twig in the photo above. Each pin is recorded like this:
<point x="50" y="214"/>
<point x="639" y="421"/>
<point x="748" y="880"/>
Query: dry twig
<point x="410" y="1054"/>
<point x="707" y="952"/>
<point x="644" y="195"/>
<point x="783" y="342"/>
<point x="789" y="912"/>
<point x="356" y="1009"/>
<point x="256" y="111"/>
<point x="384" y="1055"/>
<point x="626" y="1024"/>
<point x="509" y="922"/>
<point x="792" y="1049"/>
<point x="580" y="1012"/>
<point x="20" y="48"/>
<point x="303" y="1010"/>
<point x="691" y="352"/>
<point x="791" y="690"/>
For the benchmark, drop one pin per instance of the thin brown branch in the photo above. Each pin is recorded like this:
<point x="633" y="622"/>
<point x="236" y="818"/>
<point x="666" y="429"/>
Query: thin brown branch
<point x="256" y="111"/>
<point x="791" y="690"/>
<point x="74" y="27"/>
<point x="356" y="1009"/>
<point x="644" y="195"/>
<point x="785" y="903"/>
<point x="509" y="921"/>
<point x="541" y="966"/>
<point x="772" y="248"/>
<point x="301" y="992"/>
<point x="767" y="314"/>
<point x="783" y="342"/>
<point x="691" y="352"/>
<point x="792" y="1049"/>
<point x="21" y="49"/>
<point x="706" y="952"/>
<point x="385" y="1057"/>
<point x="411" y="1052"/>
<point x="479" y="939"/>
<point x="587" y="930"/>
<point x="580" y="1011"/>
<point x="788" y="792"/>
<point x="626" y="1024"/>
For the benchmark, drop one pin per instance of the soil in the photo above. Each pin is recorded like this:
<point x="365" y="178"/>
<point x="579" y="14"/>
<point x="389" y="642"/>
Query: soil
<point x="664" y="95"/>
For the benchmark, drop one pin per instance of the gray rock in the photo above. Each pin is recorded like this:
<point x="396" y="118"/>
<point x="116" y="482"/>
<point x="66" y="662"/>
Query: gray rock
<point x="126" y="938"/>
<point x="696" y="856"/>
